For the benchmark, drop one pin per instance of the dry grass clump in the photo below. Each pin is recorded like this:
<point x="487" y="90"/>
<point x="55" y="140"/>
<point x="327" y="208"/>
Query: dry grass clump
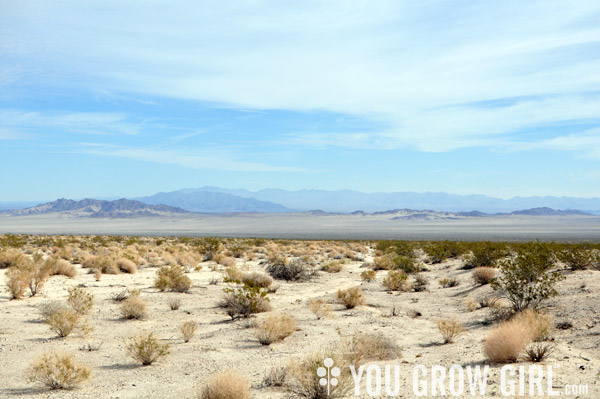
<point x="397" y="280"/>
<point x="58" y="370"/>
<point x="224" y="260"/>
<point x="146" y="349"/>
<point x="103" y="263"/>
<point x="450" y="330"/>
<point x="351" y="297"/>
<point x="256" y="279"/>
<point x="275" y="327"/>
<point x="17" y="281"/>
<point x="368" y="275"/>
<point x="63" y="321"/>
<point x="332" y="267"/>
<point x="366" y="347"/>
<point x="448" y="282"/>
<point x="538" y="351"/>
<point x="539" y="323"/>
<point x="174" y="303"/>
<point x="320" y="308"/>
<point x="133" y="308"/>
<point x="12" y="258"/>
<point x="188" y="329"/>
<point x="60" y="267"/>
<point x="172" y="278"/>
<point x="226" y="385"/>
<point x="505" y="343"/>
<point x="289" y="270"/>
<point x="483" y="275"/>
<point x="126" y="265"/>
<point x="275" y="377"/>
<point x="80" y="300"/>
<point x="421" y="283"/>
<point x="304" y="382"/>
<point x="233" y="273"/>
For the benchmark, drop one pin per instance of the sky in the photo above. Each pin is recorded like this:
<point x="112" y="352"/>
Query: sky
<point x="119" y="98"/>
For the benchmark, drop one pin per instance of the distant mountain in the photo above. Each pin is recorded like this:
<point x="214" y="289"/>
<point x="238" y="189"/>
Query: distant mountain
<point x="349" y="201"/>
<point x="547" y="212"/>
<point x="122" y="208"/>
<point x="213" y="202"/>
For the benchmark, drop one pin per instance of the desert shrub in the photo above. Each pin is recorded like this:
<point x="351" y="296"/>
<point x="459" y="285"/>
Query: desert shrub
<point x="174" y="303"/>
<point x="226" y="385"/>
<point x="60" y="267"/>
<point x="368" y="275"/>
<point x="505" y="343"/>
<point x="133" y="308"/>
<point x="485" y="254"/>
<point x="47" y="309"/>
<point x="526" y="280"/>
<point x="275" y="377"/>
<point x="471" y="304"/>
<point x="146" y="349"/>
<point x="255" y="279"/>
<point x="17" y="281"/>
<point x="439" y="251"/>
<point x="304" y="379"/>
<point x="384" y="262"/>
<point x="289" y="270"/>
<point x="233" y="273"/>
<point x="58" y="370"/>
<point x="126" y="265"/>
<point x="80" y="300"/>
<point x="483" y="275"/>
<point x="275" y="327"/>
<point x="244" y="301"/>
<point x="64" y="321"/>
<point x="364" y="347"/>
<point x="351" y="297"/>
<point x="224" y="260"/>
<point x="579" y="258"/>
<point x="403" y="248"/>
<point x="172" y="278"/>
<point x="332" y="267"/>
<point x="448" y="282"/>
<point x="396" y="280"/>
<point x="12" y="258"/>
<point x="538" y="351"/>
<point x="125" y="294"/>
<point x="103" y="263"/>
<point x="421" y="282"/>
<point x="540" y="324"/>
<point x="450" y="330"/>
<point x="188" y="329"/>
<point x="319" y="307"/>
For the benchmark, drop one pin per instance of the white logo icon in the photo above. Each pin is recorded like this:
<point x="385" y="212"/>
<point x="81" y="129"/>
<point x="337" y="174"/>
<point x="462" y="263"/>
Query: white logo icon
<point x="328" y="376"/>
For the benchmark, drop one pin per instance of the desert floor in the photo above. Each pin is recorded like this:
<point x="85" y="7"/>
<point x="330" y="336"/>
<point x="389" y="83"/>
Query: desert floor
<point x="223" y="344"/>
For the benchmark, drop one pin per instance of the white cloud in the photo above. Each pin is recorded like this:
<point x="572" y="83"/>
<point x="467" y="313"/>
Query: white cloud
<point x="420" y="67"/>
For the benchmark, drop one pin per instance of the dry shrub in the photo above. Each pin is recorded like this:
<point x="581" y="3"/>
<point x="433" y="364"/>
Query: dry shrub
<point x="58" y="370"/>
<point x="97" y="274"/>
<point x="366" y="347"/>
<point x="275" y="327"/>
<point x="397" y="280"/>
<point x="17" y="281"/>
<point x="12" y="258"/>
<point x="289" y="270"/>
<point x="382" y="263"/>
<point x="368" y="275"/>
<point x="174" y="303"/>
<point x="126" y="265"/>
<point x="103" y="263"/>
<point x="421" y="283"/>
<point x="332" y="267"/>
<point x="64" y="321"/>
<point x="320" y="308"/>
<point x="80" y="300"/>
<point x="505" y="343"/>
<point x="188" y="329"/>
<point x="47" y="309"/>
<point x="133" y="308"/>
<point x="244" y="301"/>
<point x="224" y="260"/>
<point x="255" y="279"/>
<point x="539" y="323"/>
<point x="146" y="349"/>
<point x="172" y="278"/>
<point x="303" y="380"/>
<point x="471" y="304"/>
<point x="483" y="275"/>
<point x="226" y="385"/>
<point x="450" y="330"/>
<point x="275" y="377"/>
<point x="60" y="267"/>
<point x="351" y="297"/>
<point x="234" y="273"/>
<point x="448" y="282"/>
<point x="538" y="351"/>
<point x="125" y="294"/>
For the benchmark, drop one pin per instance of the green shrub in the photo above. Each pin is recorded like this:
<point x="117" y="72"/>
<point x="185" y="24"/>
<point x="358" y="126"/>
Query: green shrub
<point x="579" y="258"/>
<point x="245" y="300"/>
<point x="439" y="251"/>
<point x="172" y="278"/>
<point x="485" y="254"/>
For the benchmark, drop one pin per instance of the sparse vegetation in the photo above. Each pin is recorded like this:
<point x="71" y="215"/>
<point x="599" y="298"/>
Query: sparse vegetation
<point x="226" y="385"/>
<point x="275" y="327"/>
<point x="80" y="300"/>
<point x="172" y="278"/>
<point x="133" y="308"/>
<point x="450" y="330"/>
<point x="57" y="370"/>
<point x="146" y="348"/>
<point x="289" y="270"/>
<point x="483" y="275"/>
<point x="351" y="297"/>
<point x="303" y="380"/>
<point x="320" y="308"/>
<point x="363" y="347"/>
<point x="397" y="280"/>
<point x="188" y="330"/>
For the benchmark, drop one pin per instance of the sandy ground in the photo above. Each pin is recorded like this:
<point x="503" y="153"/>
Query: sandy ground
<point x="307" y="226"/>
<point x="220" y="343"/>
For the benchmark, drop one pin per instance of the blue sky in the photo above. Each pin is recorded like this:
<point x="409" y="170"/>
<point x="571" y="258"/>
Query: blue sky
<point x="126" y="98"/>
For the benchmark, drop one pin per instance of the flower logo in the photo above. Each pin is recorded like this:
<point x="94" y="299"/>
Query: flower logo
<point x="328" y="375"/>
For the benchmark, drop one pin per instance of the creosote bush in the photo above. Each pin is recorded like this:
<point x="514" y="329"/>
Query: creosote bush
<point x="226" y="385"/>
<point x="172" y="278"/>
<point x="450" y="330"/>
<point x="245" y="300"/>
<point x="146" y="349"/>
<point x="351" y="297"/>
<point x="275" y="327"/>
<point x="57" y="370"/>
